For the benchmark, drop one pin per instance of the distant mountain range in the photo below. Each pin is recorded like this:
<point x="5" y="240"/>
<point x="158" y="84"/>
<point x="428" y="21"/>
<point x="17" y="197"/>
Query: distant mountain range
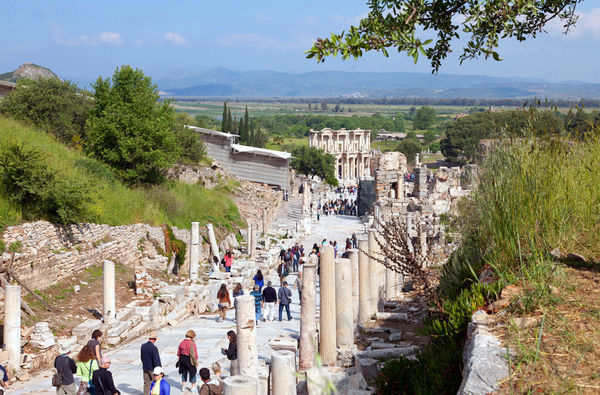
<point x="227" y="83"/>
<point x="221" y="82"/>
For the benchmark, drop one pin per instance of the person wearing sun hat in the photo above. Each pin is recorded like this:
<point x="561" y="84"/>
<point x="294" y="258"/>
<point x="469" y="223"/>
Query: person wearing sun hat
<point x="150" y="360"/>
<point x="65" y="366"/>
<point x="159" y="386"/>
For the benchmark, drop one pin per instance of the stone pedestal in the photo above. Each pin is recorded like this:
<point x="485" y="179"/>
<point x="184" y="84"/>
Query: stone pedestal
<point x="240" y="385"/>
<point x="308" y="316"/>
<point x="364" y="296"/>
<point x="327" y="317"/>
<point x="109" y="296"/>
<point x="283" y="371"/>
<point x="344" y="326"/>
<point x="353" y="256"/>
<point x="420" y="189"/>
<point x="213" y="241"/>
<point x="12" y="325"/>
<point x="194" y="251"/>
<point x="245" y="317"/>
<point x="42" y="336"/>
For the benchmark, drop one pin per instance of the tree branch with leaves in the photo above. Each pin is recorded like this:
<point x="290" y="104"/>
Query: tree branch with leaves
<point x="428" y="27"/>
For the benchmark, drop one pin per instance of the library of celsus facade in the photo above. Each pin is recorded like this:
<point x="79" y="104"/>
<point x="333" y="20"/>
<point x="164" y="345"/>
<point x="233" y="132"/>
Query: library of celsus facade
<point x="351" y="149"/>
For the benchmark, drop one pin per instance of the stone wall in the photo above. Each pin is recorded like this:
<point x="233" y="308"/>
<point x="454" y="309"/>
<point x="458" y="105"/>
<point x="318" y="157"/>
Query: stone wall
<point x="50" y="253"/>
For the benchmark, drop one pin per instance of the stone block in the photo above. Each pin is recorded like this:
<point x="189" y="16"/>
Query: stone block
<point x="368" y="367"/>
<point x="124" y="314"/>
<point x="395" y="336"/>
<point x="118" y="329"/>
<point x="84" y="330"/>
<point x="137" y="331"/>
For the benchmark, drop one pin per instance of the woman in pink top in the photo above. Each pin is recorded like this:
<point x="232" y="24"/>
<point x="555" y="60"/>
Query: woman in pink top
<point x="228" y="261"/>
<point x="188" y="359"/>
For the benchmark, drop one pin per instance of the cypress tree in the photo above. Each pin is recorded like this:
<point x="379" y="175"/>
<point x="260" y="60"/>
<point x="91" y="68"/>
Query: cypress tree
<point x="224" y="118"/>
<point x="234" y="127"/>
<point x="228" y="122"/>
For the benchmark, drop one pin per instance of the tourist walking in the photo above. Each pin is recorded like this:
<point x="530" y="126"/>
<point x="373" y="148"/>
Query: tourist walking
<point x="214" y="268"/>
<point x="224" y="302"/>
<point x="65" y="368"/>
<point x="103" y="379"/>
<point x="257" y="301"/>
<point x="159" y="386"/>
<point x="4" y="383"/>
<point x="150" y="360"/>
<point x="282" y="272"/>
<point x="86" y="365"/>
<point x="238" y="290"/>
<point x="231" y="352"/>
<point x="228" y="261"/>
<point x="298" y="286"/>
<point x="210" y="387"/>
<point x="94" y="343"/>
<point x="269" y="297"/>
<point x="259" y="279"/>
<point x="188" y="360"/>
<point x="285" y="298"/>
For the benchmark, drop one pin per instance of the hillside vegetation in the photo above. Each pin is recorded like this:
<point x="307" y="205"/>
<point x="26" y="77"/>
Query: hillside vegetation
<point x="538" y="200"/>
<point x="105" y="199"/>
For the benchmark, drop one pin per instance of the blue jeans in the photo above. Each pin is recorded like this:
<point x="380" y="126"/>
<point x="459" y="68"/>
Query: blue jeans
<point x="287" y="309"/>
<point x="257" y="315"/>
<point x="295" y="265"/>
<point x="227" y="269"/>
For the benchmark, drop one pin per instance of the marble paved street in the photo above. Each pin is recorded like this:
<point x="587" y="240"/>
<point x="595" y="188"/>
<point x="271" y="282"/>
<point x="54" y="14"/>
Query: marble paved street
<point x="211" y="335"/>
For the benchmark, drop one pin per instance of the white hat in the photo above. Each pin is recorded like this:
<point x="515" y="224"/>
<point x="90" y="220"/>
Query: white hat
<point x="158" y="370"/>
<point x="64" y="349"/>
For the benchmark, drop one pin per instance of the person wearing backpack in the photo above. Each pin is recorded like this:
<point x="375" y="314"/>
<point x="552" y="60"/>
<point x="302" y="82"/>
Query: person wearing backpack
<point x="86" y="365"/>
<point x="188" y="360"/>
<point x="282" y="272"/>
<point x="285" y="298"/>
<point x="210" y="387"/>
<point x="65" y="368"/>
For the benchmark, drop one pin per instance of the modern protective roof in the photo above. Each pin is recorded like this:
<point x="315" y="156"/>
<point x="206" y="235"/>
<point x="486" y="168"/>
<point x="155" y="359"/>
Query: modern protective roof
<point x="213" y="132"/>
<point x="261" y="151"/>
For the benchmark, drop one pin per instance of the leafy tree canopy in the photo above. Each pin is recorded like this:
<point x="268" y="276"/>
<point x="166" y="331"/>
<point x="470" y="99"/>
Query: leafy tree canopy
<point x="428" y="27"/>
<point x="424" y="117"/>
<point x="463" y="136"/>
<point x="312" y="161"/>
<point x="410" y="147"/>
<point x="56" y="106"/>
<point x="130" y="130"/>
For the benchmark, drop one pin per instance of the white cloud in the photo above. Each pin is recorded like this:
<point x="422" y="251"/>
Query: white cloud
<point x="175" y="38"/>
<point x="588" y="24"/>
<point x="59" y="35"/>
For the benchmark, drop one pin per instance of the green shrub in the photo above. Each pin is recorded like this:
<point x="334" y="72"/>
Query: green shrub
<point x="26" y="179"/>
<point x="56" y="106"/>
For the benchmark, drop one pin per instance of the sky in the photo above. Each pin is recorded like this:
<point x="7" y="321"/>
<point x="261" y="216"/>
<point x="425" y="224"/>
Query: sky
<point x="81" y="40"/>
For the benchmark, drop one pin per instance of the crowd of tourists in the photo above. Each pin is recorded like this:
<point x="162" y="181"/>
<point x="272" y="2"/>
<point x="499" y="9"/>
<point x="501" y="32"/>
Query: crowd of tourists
<point x="93" y="368"/>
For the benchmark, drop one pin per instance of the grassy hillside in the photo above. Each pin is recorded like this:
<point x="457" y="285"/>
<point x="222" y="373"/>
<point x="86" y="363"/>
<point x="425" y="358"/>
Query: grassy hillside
<point x="110" y="201"/>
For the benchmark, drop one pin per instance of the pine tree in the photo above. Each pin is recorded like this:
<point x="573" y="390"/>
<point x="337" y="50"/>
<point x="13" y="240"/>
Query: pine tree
<point x="224" y="118"/>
